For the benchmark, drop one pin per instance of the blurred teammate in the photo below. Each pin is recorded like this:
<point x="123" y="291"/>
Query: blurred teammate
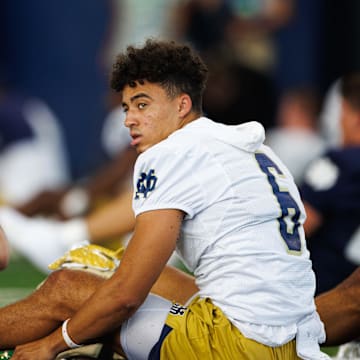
<point x="81" y="197"/>
<point x="43" y="240"/>
<point x="92" y="207"/>
<point x="296" y="139"/>
<point x="32" y="150"/>
<point x="331" y="193"/>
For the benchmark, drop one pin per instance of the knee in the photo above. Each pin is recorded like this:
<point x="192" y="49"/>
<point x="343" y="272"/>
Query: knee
<point x="56" y="286"/>
<point x="67" y="290"/>
<point x="58" y="280"/>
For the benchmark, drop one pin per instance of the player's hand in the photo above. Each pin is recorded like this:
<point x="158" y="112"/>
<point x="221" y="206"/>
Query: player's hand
<point x="43" y="349"/>
<point x="32" y="351"/>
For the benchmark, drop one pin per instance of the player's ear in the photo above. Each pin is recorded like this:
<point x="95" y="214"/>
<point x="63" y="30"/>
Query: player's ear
<point x="185" y="105"/>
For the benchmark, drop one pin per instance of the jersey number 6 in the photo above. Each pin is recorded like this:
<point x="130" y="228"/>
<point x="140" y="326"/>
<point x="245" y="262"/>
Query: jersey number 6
<point x="290" y="212"/>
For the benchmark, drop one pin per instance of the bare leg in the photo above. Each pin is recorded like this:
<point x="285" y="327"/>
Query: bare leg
<point x="44" y="310"/>
<point x="62" y="294"/>
<point x="339" y="309"/>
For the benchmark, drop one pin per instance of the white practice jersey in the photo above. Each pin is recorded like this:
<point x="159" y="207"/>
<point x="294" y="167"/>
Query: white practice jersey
<point x="242" y="235"/>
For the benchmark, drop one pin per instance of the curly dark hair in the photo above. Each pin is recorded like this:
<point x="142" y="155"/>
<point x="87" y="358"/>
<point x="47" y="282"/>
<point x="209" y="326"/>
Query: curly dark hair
<point x="176" y="67"/>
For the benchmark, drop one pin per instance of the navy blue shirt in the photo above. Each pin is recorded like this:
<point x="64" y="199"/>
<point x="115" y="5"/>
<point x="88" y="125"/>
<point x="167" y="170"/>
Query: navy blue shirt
<point x="332" y="187"/>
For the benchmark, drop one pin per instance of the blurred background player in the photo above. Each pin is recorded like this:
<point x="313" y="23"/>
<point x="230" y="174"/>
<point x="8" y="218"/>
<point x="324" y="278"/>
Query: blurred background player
<point x="331" y="193"/>
<point x="236" y="39"/>
<point x="112" y="176"/>
<point x="112" y="181"/>
<point x="296" y="138"/>
<point x="42" y="240"/>
<point x="33" y="155"/>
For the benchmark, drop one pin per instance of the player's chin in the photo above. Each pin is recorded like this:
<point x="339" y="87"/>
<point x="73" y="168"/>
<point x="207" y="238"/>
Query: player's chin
<point x="142" y="148"/>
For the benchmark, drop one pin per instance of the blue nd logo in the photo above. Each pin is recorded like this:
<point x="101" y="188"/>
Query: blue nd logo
<point x="145" y="183"/>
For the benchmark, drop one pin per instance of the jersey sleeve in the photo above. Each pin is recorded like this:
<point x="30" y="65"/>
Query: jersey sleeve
<point x="165" y="179"/>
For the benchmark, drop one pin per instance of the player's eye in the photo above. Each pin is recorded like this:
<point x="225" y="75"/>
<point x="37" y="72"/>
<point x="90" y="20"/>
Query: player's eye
<point x="141" y="106"/>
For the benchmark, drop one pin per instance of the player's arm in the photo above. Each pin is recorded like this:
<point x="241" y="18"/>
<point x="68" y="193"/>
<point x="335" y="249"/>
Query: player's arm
<point x="118" y="298"/>
<point x="148" y="251"/>
<point x="4" y="250"/>
<point x="339" y="309"/>
<point x="313" y="220"/>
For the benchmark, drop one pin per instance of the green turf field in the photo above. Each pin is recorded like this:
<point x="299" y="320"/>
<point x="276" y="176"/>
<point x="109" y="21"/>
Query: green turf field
<point x="18" y="279"/>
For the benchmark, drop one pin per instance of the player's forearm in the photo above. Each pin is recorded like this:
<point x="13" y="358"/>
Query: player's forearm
<point x="341" y="322"/>
<point x="143" y="261"/>
<point x="339" y="309"/>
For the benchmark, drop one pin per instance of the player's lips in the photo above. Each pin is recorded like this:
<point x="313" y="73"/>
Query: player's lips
<point x="135" y="139"/>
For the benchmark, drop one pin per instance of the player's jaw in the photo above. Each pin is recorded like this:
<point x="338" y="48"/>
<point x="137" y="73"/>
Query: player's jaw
<point x="142" y="141"/>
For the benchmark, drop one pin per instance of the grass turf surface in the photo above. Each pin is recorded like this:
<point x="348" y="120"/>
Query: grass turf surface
<point x="20" y="273"/>
<point x="18" y="279"/>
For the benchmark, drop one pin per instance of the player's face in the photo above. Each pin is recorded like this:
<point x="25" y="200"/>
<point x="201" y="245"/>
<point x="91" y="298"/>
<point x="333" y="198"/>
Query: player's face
<point x="151" y="115"/>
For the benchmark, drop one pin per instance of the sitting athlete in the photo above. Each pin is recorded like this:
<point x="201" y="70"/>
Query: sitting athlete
<point x="331" y="195"/>
<point x="225" y="202"/>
